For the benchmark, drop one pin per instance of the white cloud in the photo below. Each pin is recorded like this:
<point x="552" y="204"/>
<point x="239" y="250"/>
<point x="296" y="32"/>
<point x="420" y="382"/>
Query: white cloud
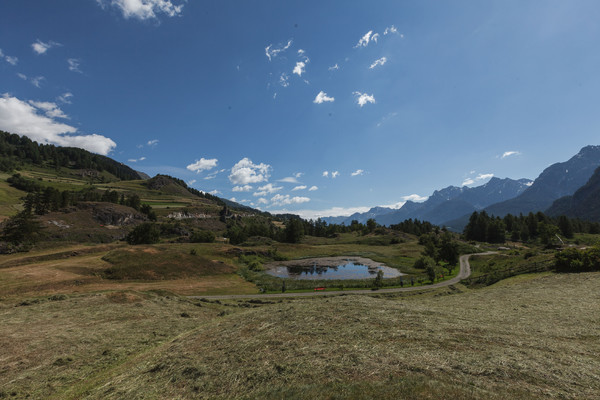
<point x="245" y="172"/>
<point x="478" y="178"/>
<point x="191" y="182"/>
<point x="301" y="52"/>
<point x="74" y="65"/>
<point x="363" y="98"/>
<point x="313" y="188"/>
<point x="366" y="39"/>
<point x="330" y="212"/>
<point x="267" y="189"/>
<point x="143" y="9"/>
<point x="262" y="200"/>
<point x="415" y="197"/>
<point x="510" y="153"/>
<point x="50" y="109"/>
<point x="22" y="76"/>
<point x="202" y="164"/>
<point x="274" y="52"/>
<point x="288" y="179"/>
<point x="233" y="199"/>
<point x="37" y="81"/>
<point x="390" y="30"/>
<point x="334" y="67"/>
<point x="357" y="172"/>
<point x="152" y="142"/>
<point x="245" y="188"/>
<point x="380" y="61"/>
<point x="65" y="98"/>
<point x="298" y="174"/>
<point x="322" y="97"/>
<point x="334" y="174"/>
<point x="41" y="47"/>
<point x="214" y="192"/>
<point x="23" y="118"/>
<point x="282" y="200"/>
<point x="301" y="187"/>
<point x="325" y="174"/>
<point x="11" y="60"/>
<point x="299" y="69"/>
<point x="284" y="80"/>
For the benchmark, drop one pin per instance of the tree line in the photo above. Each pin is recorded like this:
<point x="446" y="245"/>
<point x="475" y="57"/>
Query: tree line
<point x="16" y="150"/>
<point x="486" y="228"/>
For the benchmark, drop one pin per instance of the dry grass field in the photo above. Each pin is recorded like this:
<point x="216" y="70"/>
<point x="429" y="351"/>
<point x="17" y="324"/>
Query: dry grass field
<point x="532" y="336"/>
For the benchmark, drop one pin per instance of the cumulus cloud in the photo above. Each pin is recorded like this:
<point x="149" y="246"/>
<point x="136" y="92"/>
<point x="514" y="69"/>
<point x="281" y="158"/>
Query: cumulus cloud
<point x="282" y="200"/>
<point x="334" y="67"/>
<point x="245" y="172"/>
<point x="273" y="52"/>
<point x="24" y="118"/>
<point x="50" y="109"/>
<point x="245" y="188"/>
<point x="325" y="174"/>
<point x="262" y="200"/>
<point x="299" y="69"/>
<point x="313" y="188"/>
<point x="357" y="172"/>
<point x="363" y="98"/>
<point x="367" y="38"/>
<point x="476" y="179"/>
<point x="300" y="187"/>
<point x="380" y="61"/>
<point x="203" y="164"/>
<point x="143" y="9"/>
<point x="74" y="65"/>
<point x="214" y="192"/>
<point x="267" y="189"/>
<point x="510" y="153"/>
<point x="322" y="97"/>
<point x="40" y="47"/>
<point x="415" y="197"/>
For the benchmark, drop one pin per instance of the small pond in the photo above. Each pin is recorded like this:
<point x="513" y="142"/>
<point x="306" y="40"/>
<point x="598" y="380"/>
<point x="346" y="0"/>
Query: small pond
<point x="347" y="269"/>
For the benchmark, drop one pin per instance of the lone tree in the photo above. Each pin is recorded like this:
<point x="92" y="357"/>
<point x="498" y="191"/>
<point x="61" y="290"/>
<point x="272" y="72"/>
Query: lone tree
<point x="378" y="282"/>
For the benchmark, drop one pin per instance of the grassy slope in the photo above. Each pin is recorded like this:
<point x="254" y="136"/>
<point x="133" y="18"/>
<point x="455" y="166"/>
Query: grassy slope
<point x="527" y="337"/>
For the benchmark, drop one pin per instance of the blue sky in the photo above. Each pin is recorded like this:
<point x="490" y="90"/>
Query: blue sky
<point x="365" y="103"/>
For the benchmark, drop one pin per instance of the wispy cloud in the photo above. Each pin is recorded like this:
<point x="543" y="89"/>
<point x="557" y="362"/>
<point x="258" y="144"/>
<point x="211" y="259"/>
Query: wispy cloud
<point x="379" y="62"/>
<point x="9" y="59"/>
<point x="245" y="172"/>
<point x="334" y="174"/>
<point x="367" y="38"/>
<point x="357" y="172"/>
<point x="25" y="118"/>
<point x="40" y="47"/>
<point x="414" y="197"/>
<point x="288" y="179"/>
<point x="272" y="52"/>
<point x="330" y="212"/>
<point x="202" y="164"/>
<point x="510" y="153"/>
<point x="334" y="67"/>
<point x="49" y="108"/>
<point x="74" y="65"/>
<point x="191" y="182"/>
<point x="133" y="160"/>
<point x="65" y="98"/>
<point x="37" y="81"/>
<point x="313" y="188"/>
<point x="267" y="189"/>
<point x="476" y="179"/>
<point x="322" y="98"/>
<point x="301" y="187"/>
<point x="363" y="98"/>
<point x="143" y="9"/>
<point x="284" y="80"/>
<point x="152" y="142"/>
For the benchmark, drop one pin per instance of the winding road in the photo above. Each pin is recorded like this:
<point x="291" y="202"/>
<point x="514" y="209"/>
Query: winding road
<point x="465" y="272"/>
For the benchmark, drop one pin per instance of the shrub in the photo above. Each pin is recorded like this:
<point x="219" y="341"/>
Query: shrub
<point x="146" y="233"/>
<point x="202" y="237"/>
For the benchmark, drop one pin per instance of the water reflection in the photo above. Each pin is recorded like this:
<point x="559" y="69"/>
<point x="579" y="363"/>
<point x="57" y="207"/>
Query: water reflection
<point x="349" y="270"/>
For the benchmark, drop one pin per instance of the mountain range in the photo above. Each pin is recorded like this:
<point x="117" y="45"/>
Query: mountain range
<point x="453" y="205"/>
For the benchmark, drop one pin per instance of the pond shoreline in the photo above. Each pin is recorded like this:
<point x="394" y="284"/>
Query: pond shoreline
<point x="325" y="262"/>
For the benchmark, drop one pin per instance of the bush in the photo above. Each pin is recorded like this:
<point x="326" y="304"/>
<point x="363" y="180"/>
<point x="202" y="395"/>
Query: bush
<point x="202" y="237"/>
<point x="573" y="260"/>
<point x="146" y="233"/>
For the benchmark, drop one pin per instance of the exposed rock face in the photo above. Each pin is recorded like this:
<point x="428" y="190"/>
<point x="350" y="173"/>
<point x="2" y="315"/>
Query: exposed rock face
<point x="179" y="215"/>
<point x="113" y="214"/>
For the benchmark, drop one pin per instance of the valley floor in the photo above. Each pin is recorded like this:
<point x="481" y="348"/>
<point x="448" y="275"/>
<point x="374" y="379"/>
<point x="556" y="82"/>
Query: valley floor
<point x="532" y="336"/>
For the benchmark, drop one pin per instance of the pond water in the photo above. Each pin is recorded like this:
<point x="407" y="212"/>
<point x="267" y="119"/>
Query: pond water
<point x="348" y="270"/>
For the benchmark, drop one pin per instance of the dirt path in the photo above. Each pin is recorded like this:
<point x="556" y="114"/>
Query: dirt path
<point x="465" y="272"/>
